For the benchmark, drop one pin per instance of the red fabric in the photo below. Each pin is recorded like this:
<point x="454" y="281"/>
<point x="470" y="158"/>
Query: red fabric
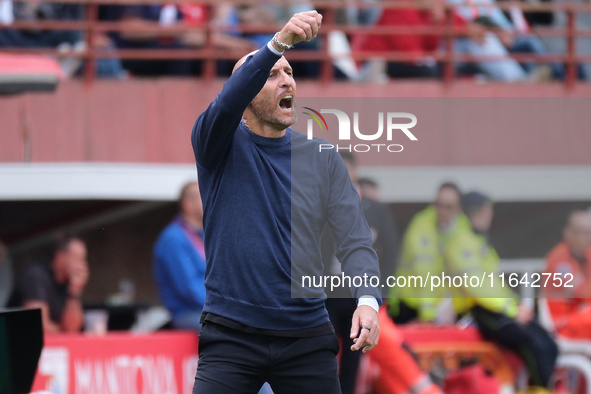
<point x="578" y="324"/>
<point x="426" y="333"/>
<point x="471" y="380"/>
<point x="193" y="14"/>
<point x="569" y="302"/>
<point x="413" y="43"/>
<point x="398" y="370"/>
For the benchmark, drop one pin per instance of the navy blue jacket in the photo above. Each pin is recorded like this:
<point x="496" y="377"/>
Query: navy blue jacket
<point x="266" y="202"/>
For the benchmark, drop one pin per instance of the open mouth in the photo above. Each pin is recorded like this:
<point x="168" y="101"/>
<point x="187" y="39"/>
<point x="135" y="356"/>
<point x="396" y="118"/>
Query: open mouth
<point x="286" y="102"/>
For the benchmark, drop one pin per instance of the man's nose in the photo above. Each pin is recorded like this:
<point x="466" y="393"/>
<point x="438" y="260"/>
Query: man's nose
<point x="286" y="80"/>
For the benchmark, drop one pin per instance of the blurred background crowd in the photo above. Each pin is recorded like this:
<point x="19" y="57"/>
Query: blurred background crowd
<point x="362" y="39"/>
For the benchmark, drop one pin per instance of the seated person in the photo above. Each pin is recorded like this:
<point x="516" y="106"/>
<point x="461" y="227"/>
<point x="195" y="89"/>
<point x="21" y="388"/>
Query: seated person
<point x="498" y="315"/>
<point x="189" y="14"/>
<point x="422" y="255"/>
<point x="265" y="15"/>
<point x="179" y="261"/>
<point x="364" y="14"/>
<point x="56" y="286"/>
<point x="64" y="40"/>
<point x="423" y="46"/>
<point x="475" y="39"/>
<point x="138" y="15"/>
<point x="40" y="11"/>
<point x="413" y="44"/>
<point x="504" y="34"/>
<point x="570" y="307"/>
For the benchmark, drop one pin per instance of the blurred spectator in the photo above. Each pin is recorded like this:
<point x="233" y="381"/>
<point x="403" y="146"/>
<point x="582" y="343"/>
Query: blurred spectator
<point x="189" y="14"/>
<point x="422" y="248"/>
<point x="368" y="188"/>
<point x="493" y="307"/>
<point x="265" y="15"/>
<point x="145" y="16"/>
<point x="525" y="42"/>
<point x="474" y="39"/>
<point x="66" y="41"/>
<point x="570" y="307"/>
<point x="413" y="44"/>
<point x="6" y="276"/>
<point x="268" y="15"/>
<point x="366" y="15"/>
<point x="339" y="303"/>
<point x="261" y="15"/>
<point x="227" y="39"/>
<point x="512" y="31"/>
<point x="489" y="44"/>
<point x="56" y="286"/>
<point x="196" y="15"/>
<point x="582" y="21"/>
<point x="179" y="261"/>
<point x="32" y="11"/>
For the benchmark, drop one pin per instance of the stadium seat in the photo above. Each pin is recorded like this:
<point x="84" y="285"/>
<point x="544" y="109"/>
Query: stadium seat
<point x="28" y="73"/>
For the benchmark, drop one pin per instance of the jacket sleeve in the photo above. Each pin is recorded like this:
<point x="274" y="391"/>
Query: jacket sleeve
<point x="462" y="256"/>
<point x="350" y="230"/>
<point x="182" y="267"/>
<point x="214" y="129"/>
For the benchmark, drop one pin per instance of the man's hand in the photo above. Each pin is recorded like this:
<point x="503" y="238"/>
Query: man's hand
<point x="301" y="27"/>
<point x="78" y="277"/>
<point x="367" y="326"/>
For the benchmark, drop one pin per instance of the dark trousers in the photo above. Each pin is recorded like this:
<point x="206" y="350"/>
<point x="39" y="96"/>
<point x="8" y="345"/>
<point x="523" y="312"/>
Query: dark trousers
<point x="232" y="361"/>
<point x="531" y="342"/>
<point x="340" y="311"/>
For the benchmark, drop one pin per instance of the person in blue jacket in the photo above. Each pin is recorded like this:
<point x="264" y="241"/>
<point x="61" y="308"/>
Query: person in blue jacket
<point x="268" y="194"/>
<point x="179" y="261"/>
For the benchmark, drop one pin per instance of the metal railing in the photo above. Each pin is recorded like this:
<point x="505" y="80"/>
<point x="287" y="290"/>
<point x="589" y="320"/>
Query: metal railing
<point x="209" y="54"/>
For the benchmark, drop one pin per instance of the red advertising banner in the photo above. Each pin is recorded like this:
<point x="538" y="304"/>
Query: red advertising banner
<point x="157" y="363"/>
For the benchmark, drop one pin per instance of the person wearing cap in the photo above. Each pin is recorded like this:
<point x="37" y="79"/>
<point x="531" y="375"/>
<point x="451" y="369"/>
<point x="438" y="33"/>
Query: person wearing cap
<point x="495" y="309"/>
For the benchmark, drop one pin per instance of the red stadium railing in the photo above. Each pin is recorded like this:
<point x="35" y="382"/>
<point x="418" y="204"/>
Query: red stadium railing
<point x="210" y="55"/>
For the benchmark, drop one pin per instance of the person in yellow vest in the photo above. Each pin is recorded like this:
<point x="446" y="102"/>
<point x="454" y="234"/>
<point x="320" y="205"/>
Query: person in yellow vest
<point x="495" y="309"/>
<point x="421" y="256"/>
